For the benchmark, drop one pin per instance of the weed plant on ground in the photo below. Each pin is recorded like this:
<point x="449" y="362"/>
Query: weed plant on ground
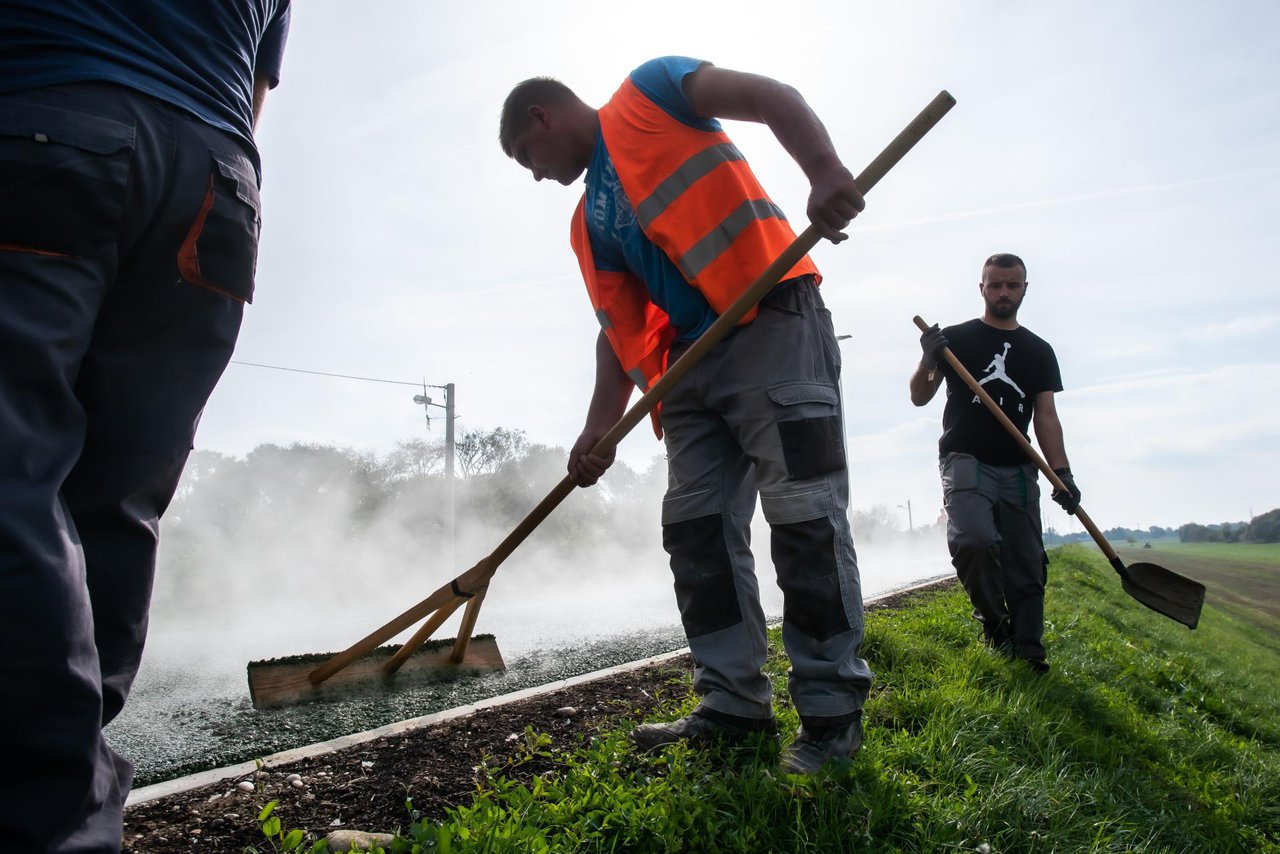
<point x="1144" y="737"/>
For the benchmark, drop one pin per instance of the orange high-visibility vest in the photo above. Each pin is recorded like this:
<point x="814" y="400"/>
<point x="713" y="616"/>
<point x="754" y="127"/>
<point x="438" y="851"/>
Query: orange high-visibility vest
<point x="696" y="198"/>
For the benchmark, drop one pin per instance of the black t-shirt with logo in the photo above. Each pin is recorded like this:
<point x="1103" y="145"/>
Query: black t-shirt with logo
<point x="1013" y="366"/>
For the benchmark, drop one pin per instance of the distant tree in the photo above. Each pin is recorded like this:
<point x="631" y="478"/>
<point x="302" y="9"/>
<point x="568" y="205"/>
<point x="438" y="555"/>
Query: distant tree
<point x="1194" y="533"/>
<point x="415" y="458"/>
<point x="485" y="451"/>
<point x="1264" y="528"/>
<point x="876" y="523"/>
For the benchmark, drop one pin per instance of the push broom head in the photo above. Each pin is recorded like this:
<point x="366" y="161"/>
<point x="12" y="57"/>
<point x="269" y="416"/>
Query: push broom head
<point x="286" y="681"/>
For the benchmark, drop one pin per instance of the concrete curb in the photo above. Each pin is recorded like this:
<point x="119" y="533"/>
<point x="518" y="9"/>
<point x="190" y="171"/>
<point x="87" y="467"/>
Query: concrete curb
<point x="244" y="769"/>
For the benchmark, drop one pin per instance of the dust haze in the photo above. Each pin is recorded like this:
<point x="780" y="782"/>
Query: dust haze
<point x="308" y="548"/>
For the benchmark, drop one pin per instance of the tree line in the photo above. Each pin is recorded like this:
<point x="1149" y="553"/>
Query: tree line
<point x="1260" y="529"/>
<point x="1264" y="528"/>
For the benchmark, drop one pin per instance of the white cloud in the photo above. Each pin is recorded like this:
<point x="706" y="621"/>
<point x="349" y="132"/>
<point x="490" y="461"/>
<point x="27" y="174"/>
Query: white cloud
<point x="1238" y="327"/>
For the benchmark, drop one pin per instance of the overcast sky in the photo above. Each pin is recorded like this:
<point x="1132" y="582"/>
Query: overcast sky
<point x="1130" y="152"/>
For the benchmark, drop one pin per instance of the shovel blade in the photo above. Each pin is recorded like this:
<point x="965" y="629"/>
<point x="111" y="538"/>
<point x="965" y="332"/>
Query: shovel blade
<point x="284" y="681"/>
<point x="1163" y="591"/>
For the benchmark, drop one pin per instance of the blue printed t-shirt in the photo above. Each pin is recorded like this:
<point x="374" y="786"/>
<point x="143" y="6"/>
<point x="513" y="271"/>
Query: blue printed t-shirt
<point x="617" y="241"/>
<point x="198" y="55"/>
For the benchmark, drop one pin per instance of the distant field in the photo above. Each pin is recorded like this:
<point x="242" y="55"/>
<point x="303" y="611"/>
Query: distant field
<point x="1253" y="552"/>
<point x="1241" y="578"/>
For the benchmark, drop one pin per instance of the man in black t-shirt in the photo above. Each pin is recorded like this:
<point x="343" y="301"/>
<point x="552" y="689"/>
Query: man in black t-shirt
<point x="989" y="486"/>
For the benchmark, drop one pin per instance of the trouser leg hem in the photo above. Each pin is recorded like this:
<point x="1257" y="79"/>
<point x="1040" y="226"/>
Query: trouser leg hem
<point x="749" y="724"/>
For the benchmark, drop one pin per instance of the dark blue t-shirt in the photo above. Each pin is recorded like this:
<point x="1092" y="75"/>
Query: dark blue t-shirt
<point x="617" y="241"/>
<point x="199" y="55"/>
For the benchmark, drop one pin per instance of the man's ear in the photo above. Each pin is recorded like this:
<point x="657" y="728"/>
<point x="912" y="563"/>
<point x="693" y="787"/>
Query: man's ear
<point x="539" y="115"/>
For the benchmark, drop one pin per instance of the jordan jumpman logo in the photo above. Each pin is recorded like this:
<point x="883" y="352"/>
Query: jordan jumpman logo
<point x="997" y="371"/>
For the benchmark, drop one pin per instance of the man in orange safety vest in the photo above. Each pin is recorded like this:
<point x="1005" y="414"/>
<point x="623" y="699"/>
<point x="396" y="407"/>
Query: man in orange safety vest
<point x="672" y="227"/>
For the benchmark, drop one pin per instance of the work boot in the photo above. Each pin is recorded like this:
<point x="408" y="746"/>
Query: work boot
<point x="1000" y="638"/>
<point x="1037" y="665"/>
<point x="816" y="746"/>
<point x="697" y="728"/>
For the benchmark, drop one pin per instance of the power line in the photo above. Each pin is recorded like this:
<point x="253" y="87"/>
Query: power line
<point x="324" y="374"/>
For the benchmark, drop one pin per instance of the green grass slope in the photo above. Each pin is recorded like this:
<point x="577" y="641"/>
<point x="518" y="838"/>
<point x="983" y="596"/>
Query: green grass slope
<point x="1144" y="737"/>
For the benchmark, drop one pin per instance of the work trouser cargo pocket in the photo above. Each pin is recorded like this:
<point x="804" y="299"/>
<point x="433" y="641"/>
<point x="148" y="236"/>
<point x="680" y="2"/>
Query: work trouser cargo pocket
<point x="220" y="251"/>
<point x="62" y="179"/>
<point x="809" y="428"/>
<point x="959" y="473"/>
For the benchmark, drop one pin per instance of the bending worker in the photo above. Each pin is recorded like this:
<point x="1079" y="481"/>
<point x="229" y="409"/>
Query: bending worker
<point x="129" y="220"/>
<point x="989" y="486"/>
<point x="672" y="227"/>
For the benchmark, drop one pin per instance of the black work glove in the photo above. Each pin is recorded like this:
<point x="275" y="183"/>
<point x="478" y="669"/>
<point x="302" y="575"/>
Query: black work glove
<point x="1070" y="499"/>
<point x="931" y="344"/>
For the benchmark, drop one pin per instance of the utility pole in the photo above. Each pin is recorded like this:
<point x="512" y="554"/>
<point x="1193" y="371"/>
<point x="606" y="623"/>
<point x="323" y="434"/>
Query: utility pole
<point x="450" y="416"/>
<point x="911" y="528"/>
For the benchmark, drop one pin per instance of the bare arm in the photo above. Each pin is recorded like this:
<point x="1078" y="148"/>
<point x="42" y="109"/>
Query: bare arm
<point x="261" y="85"/>
<point x="608" y="402"/>
<point x="720" y="93"/>
<point x="1049" y="431"/>
<point x="922" y="387"/>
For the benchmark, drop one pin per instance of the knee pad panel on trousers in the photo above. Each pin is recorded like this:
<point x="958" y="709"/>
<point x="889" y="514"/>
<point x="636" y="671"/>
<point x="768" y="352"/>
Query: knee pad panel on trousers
<point x="972" y="541"/>
<point x="804" y="554"/>
<point x="700" y="563"/>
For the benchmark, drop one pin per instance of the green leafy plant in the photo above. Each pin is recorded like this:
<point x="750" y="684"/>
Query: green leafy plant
<point x="281" y="839"/>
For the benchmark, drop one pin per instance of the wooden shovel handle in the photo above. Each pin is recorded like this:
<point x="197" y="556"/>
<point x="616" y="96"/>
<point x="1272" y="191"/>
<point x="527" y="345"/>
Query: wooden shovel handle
<point x="1021" y="440"/>
<point x="478" y="576"/>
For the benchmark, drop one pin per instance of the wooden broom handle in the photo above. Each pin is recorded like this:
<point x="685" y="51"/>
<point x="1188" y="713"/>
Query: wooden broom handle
<point x="1021" y="440"/>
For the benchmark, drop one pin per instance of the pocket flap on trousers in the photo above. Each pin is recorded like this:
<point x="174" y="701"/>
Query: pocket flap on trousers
<point x="238" y="172"/>
<point x="789" y="394"/>
<point x="49" y="124"/>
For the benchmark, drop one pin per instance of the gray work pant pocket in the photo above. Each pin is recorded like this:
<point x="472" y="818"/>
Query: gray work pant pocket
<point x="809" y="428"/>
<point x="959" y="472"/>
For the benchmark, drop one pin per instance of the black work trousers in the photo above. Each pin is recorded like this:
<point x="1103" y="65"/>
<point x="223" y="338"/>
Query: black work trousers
<point x="128" y="237"/>
<point x="993" y="532"/>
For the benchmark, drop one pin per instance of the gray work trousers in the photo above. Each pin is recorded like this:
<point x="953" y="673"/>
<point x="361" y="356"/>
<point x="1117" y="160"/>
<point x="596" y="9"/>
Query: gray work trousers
<point x="761" y="413"/>
<point x="993" y="532"/>
<point x="128" y="234"/>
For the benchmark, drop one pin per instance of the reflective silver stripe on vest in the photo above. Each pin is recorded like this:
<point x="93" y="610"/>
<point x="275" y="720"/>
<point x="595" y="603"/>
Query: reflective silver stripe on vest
<point x="638" y="377"/>
<point x="605" y="322"/>
<point x="711" y="247"/>
<point x="683" y="178"/>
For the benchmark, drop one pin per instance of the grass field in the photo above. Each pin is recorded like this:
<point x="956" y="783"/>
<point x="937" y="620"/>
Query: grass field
<point x="1264" y="553"/>
<point x="1144" y="737"/>
<point x="1240" y="578"/>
